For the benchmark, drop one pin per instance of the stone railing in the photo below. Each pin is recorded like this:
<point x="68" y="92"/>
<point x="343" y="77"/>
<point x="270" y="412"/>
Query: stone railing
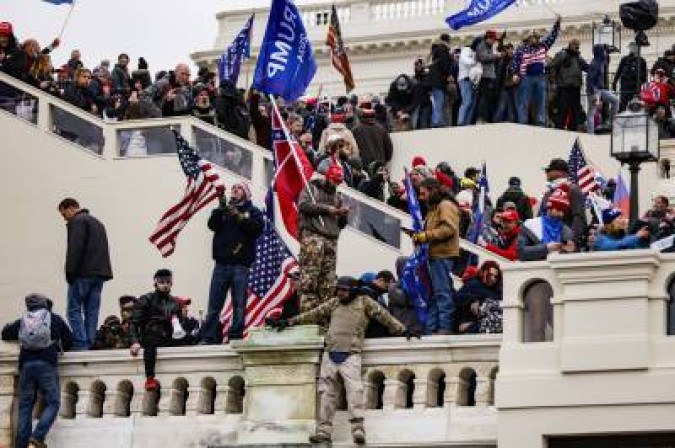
<point x="609" y="353"/>
<point x="437" y="389"/>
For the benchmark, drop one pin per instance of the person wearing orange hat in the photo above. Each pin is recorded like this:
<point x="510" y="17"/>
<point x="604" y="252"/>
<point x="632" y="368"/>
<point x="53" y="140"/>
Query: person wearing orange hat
<point x="321" y="218"/>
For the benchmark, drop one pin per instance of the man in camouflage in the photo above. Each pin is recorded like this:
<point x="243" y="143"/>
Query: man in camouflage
<point x="349" y="313"/>
<point x="321" y="217"/>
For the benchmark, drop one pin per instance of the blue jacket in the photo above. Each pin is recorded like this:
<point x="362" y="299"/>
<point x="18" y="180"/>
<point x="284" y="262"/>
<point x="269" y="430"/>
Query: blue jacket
<point x="604" y="242"/>
<point x="61" y="335"/>
<point x="235" y="236"/>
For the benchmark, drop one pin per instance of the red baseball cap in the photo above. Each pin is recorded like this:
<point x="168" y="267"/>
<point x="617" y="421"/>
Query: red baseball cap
<point x="510" y="215"/>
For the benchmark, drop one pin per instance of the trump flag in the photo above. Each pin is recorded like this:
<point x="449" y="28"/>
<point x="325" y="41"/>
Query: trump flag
<point x="286" y="63"/>
<point x="478" y="11"/>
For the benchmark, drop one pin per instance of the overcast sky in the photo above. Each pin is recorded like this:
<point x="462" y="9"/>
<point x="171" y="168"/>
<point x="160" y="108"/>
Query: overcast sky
<point x="163" y="31"/>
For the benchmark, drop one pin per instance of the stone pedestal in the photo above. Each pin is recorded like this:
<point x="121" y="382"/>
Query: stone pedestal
<point x="280" y="370"/>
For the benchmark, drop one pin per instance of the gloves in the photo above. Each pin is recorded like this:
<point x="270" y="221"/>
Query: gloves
<point x="412" y="333"/>
<point x="419" y="238"/>
<point x="278" y="324"/>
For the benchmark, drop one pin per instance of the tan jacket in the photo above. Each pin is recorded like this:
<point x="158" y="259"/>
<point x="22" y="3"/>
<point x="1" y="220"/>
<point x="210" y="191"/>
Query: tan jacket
<point x="442" y="230"/>
<point x="348" y="322"/>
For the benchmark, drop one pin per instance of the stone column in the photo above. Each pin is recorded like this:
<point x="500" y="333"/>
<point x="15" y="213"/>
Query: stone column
<point x="421" y="393"/>
<point x="482" y="394"/>
<point x="391" y="393"/>
<point x="8" y="372"/>
<point x="136" y="405"/>
<point x="166" y="401"/>
<point x="221" y="399"/>
<point x="110" y="403"/>
<point x="82" y="405"/>
<point x="452" y="385"/>
<point x="280" y="371"/>
<point x="194" y="400"/>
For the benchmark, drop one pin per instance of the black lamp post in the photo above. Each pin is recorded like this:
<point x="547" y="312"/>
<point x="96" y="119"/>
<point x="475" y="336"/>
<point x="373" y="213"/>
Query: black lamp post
<point x="635" y="139"/>
<point x="607" y="32"/>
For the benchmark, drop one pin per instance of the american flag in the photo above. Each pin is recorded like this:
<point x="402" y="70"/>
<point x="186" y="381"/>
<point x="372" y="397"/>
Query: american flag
<point x="337" y="49"/>
<point x="580" y="172"/>
<point x="269" y="285"/>
<point x="203" y="186"/>
<point x="293" y="171"/>
<point x="230" y="61"/>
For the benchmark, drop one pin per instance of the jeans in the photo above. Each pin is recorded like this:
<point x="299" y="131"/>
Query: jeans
<point x="438" y="107"/>
<point x="84" y="301"/>
<point x="506" y="107"/>
<point x="224" y="278"/>
<point x="37" y="376"/>
<point x="532" y="89"/>
<point x="441" y="305"/>
<point x="606" y="97"/>
<point x="468" y="98"/>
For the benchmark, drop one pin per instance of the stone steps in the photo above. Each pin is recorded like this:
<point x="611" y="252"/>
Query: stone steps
<point x="375" y="445"/>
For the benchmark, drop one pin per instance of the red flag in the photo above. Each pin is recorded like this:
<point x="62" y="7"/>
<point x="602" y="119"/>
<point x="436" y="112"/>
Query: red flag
<point x="293" y="171"/>
<point x="337" y="50"/>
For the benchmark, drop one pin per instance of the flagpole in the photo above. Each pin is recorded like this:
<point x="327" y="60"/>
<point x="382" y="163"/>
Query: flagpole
<point x="65" y="22"/>
<point x="287" y="135"/>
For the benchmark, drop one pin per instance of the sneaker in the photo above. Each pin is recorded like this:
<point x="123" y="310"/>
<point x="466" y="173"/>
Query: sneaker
<point x="151" y="383"/>
<point x="320" y="438"/>
<point x="359" y="436"/>
<point x="35" y="443"/>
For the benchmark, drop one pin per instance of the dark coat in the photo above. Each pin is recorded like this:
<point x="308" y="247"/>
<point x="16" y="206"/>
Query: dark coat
<point x="61" y="335"/>
<point x="150" y="321"/>
<point x="373" y="141"/>
<point x="518" y="197"/>
<point x="595" y="76"/>
<point x="87" y="254"/>
<point x="402" y="308"/>
<point x="627" y="72"/>
<point x="402" y="100"/>
<point x="80" y="97"/>
<point x="235" y="235"/>
<point x="441" y="65"/>
<point x="473" y="290"/>
<point x="568" y="66"/>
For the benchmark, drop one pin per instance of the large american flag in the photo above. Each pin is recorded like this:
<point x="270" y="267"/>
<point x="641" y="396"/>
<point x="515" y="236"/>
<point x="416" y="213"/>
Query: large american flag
<point x="203" y="186"/>
<point x="337" y="50"/>
<point x="580" y="172"/>
<point x="269" y="285"/>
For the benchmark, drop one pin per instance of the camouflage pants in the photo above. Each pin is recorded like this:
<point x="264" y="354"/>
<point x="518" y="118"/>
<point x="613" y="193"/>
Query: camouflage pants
<point x="317" y="270"/>
<point x="328" y="387"/>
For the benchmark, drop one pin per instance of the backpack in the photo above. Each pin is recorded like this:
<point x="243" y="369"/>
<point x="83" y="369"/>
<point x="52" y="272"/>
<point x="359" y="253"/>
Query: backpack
<point x="35" y="331"/>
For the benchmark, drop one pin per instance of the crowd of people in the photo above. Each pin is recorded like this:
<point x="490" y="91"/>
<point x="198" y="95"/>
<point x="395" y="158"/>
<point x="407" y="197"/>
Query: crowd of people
<point x="347" y="141"/>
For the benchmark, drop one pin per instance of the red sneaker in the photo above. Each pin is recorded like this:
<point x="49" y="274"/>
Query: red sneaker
<point x="151" y="383"/>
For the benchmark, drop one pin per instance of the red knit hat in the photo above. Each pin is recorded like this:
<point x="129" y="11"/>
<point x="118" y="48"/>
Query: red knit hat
<point x="6" y="29"/>
<point x="418" y="160"/>
<point x="559" y="199"/>
<point x="334" y="174"/>
<point x="444" y="179"/>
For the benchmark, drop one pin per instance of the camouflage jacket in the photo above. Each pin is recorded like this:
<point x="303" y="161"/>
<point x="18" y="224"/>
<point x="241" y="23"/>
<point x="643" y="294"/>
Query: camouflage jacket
<point x="348" y="322"/>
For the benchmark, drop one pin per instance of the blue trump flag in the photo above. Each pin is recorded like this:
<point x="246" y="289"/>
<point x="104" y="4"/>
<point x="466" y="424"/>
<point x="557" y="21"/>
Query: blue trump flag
<point x="229" y="65"/>
<point x="286" y="63"/>
<point x="415" y="280"/>
<point x="59" y="2"/>
<point x="478" y="11"/>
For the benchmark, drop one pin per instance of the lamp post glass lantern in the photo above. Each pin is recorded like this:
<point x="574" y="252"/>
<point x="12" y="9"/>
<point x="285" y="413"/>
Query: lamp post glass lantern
<point x="607" y="32"/>
<point x="635" y="139"/>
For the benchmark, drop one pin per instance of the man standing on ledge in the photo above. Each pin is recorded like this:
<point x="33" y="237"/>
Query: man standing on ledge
<point x="349" y="314"/>
<point x="321" y="217"/>
<point x="87" y="267"/>
<point x="236" y="226"/>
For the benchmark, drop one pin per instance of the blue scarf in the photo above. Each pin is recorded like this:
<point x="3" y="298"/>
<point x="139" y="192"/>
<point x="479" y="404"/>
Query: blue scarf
<point x="551" y="230"/>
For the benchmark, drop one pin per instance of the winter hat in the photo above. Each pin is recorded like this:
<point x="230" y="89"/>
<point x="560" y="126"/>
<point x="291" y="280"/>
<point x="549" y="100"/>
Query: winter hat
<point x="35" y="300"/>
<point x="509" y="205"/>
<point x="559" y="199"/>
<point x="367" y="278"/>
<point x="514" y="181"/>
<point x="423" y="171"/>
<point x="444" y="179"/>
<point x="465" y="198"/>
<point x="333" y="139"/>
<point x="246" y="188"/>
<point x="610" y="214"/>
<point x="163" y="273"/>
<point x="557" y="165"/>
<point x="6" y="29"/>
<point x="468" y="183"/>
<point x="417" y="161"/>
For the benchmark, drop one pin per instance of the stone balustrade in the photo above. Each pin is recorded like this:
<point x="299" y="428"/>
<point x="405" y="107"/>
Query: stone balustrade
<point x="435" y="389"/>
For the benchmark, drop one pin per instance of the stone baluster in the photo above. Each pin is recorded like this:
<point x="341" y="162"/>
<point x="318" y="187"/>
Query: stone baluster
<point x="110" y="403"/>
<point x="421" y="393"/>
<point x="7" y="381"/>
<point x="452" y="385"/>
<point x="82" y="405"/>
<point x="220" y="404"/>
<point x="195" y="395"/>
<point x="391" y="392"/>
<point x="67" y="408"/>
<point x="166" y="401"/>
<point x="136" y="405"/>
<point x="483" y="390"/>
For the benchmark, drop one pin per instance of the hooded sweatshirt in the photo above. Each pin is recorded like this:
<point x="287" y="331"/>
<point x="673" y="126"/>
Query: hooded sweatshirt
<point x="595" y="77"/>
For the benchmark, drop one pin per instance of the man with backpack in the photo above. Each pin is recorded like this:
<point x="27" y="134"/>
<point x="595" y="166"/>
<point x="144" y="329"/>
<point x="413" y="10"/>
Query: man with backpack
<point x="41" y="335"/>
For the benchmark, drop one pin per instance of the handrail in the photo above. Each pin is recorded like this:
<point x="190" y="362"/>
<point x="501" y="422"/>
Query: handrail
<point x="187" y="124"/>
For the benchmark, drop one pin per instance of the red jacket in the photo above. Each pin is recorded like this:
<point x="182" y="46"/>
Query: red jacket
<point x="510" y="251"/>
<point x="657" y="93"/>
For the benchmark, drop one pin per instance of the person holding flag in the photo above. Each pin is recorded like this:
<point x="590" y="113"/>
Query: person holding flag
<point x="441" y="232"/>
<point x="229" y="65"/>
